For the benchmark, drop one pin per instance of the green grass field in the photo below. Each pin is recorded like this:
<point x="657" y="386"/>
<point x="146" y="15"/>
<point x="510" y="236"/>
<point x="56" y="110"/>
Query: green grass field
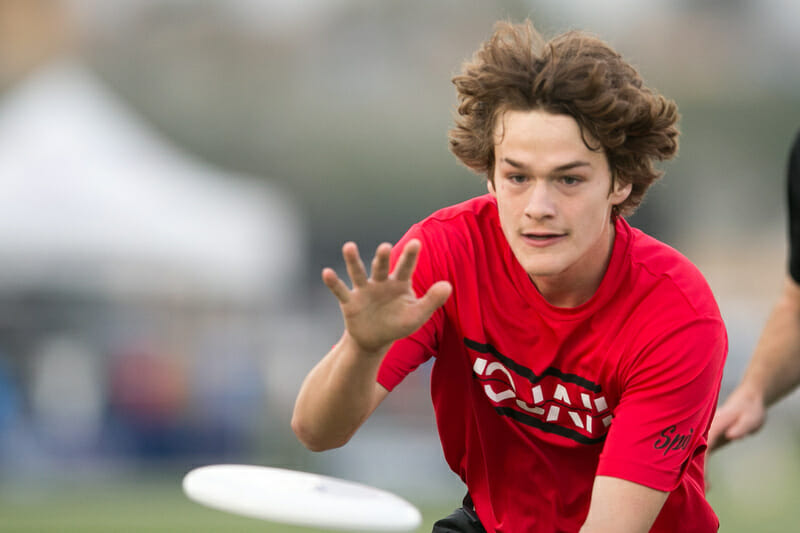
<point x="755" y="489"/>
<point x="143" y="505"/>
<point x="159" y="506"/>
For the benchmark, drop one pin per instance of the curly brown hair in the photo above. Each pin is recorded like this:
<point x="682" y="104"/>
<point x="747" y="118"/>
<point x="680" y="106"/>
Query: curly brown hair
<point x="574" y="74"/>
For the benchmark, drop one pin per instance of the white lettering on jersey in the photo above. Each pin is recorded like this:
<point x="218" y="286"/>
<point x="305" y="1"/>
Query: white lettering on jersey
<point x="498" y="366"/>
<point x="498" y="397"/>
<point x="601" y="404"/>
<point x="561" y="394"/>
<point x="576" y="419"/>
<point x="502" y="387"/>
<point x="534" y="410"/>
<point x="538" y="397"/>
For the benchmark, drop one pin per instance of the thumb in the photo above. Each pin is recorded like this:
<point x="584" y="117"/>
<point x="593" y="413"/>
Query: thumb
<point x="436" y="296"/>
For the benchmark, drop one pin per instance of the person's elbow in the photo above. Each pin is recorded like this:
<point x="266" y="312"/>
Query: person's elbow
<point x="314" y="440"/>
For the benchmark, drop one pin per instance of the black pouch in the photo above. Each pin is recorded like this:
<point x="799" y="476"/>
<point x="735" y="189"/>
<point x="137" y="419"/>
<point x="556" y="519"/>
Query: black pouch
<point x="463" y="520"/>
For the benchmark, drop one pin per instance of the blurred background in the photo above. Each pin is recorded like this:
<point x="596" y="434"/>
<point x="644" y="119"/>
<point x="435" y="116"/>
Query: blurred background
<point x="174" y="174"/>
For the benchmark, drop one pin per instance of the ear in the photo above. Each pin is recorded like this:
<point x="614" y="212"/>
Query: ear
<point x="620" y="193"/>
<point x="490" y="188"/>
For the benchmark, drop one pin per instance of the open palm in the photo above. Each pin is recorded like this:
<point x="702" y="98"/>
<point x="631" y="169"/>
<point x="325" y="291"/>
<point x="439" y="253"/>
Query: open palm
<point x="382" y="307"/>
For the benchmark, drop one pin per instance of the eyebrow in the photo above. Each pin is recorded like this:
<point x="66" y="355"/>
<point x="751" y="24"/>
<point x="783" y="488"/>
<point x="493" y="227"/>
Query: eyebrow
<point x="561" y="168"/>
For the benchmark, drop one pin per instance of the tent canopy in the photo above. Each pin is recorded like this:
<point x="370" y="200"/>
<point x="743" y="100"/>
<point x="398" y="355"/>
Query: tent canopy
<point x="92" y="199"/>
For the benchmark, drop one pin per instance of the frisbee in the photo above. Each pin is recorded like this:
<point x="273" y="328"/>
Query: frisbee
<point x="299" y="498"/>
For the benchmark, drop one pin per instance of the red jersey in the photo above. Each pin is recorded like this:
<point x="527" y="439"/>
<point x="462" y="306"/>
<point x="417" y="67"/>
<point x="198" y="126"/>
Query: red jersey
<point x="533" y="401"/>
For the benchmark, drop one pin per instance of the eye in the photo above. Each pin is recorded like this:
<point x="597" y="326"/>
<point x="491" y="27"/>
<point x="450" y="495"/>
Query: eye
<point x="517" y="179"/>
<point x="570" y="180"/>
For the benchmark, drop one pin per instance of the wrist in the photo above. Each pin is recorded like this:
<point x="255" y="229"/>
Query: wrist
<point x="351" y="344"/>
<point x="752" y="390"/>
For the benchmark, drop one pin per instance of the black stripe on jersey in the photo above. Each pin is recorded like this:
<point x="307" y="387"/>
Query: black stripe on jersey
<point x="527" y="372"/>
<point x="529" y="420"/>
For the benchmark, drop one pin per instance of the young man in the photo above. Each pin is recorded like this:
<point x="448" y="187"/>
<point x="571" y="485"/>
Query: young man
<point x="577" y="360"/>
<point x="774" y="370"/>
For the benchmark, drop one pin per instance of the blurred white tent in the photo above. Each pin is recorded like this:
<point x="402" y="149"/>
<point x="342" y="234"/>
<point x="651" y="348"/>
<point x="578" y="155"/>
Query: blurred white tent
<point x="92" y="199"/>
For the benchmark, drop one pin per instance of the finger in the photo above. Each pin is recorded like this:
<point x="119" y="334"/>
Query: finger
<point x="407" y="261"/>
<point x="743" y="427"/>
<point x="718" y="427"/>
<point x="355" y="267"/>
<point x="736" y="432"/>
<point x="723" y="420"/>
<point x="380" y="263"/>
<point x="336" y="285"/>
<point x="436" y="296"/>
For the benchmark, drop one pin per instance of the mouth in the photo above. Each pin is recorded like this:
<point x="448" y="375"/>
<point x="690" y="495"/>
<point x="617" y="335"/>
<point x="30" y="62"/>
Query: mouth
<point x="538" y="238"/>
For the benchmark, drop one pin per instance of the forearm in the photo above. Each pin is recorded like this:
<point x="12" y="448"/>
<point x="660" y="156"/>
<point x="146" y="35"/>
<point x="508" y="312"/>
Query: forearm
<point x="337" y="396"/>
<point x="342" y="391"/>
<point x="774" y="369"/>
<point x="620" y="506"/>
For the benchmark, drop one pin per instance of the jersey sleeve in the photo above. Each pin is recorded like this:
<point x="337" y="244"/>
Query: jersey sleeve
<point x="669" y="397"/>
<point x="407" y="354"/>
<point x="793" y="194"/>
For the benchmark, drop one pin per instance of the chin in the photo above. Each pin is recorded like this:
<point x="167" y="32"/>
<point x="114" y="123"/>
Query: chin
<point x="542" y="275"/>
<point x="541" y="264"/>
<point x="540" y="270"/>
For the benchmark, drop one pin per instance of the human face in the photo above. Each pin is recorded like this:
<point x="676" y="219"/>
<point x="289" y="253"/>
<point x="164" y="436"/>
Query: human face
<point x="555" y="202"/>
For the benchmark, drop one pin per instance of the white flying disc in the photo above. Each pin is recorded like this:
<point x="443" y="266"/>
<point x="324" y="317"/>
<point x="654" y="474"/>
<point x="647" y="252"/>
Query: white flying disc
<point x="299" y="498"/>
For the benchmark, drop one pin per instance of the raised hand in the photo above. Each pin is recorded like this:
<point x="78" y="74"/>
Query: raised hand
<point x="383" y="307"/>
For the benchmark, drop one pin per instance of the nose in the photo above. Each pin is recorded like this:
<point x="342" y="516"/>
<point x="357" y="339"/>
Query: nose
<point x="540" y="202"/>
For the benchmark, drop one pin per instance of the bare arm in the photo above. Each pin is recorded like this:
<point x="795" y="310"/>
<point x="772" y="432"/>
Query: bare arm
<point x="341" y="391"/>
<point x="620" y="506"/>
<point x="337" y="396"/>
<point x="773" y="372"/>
